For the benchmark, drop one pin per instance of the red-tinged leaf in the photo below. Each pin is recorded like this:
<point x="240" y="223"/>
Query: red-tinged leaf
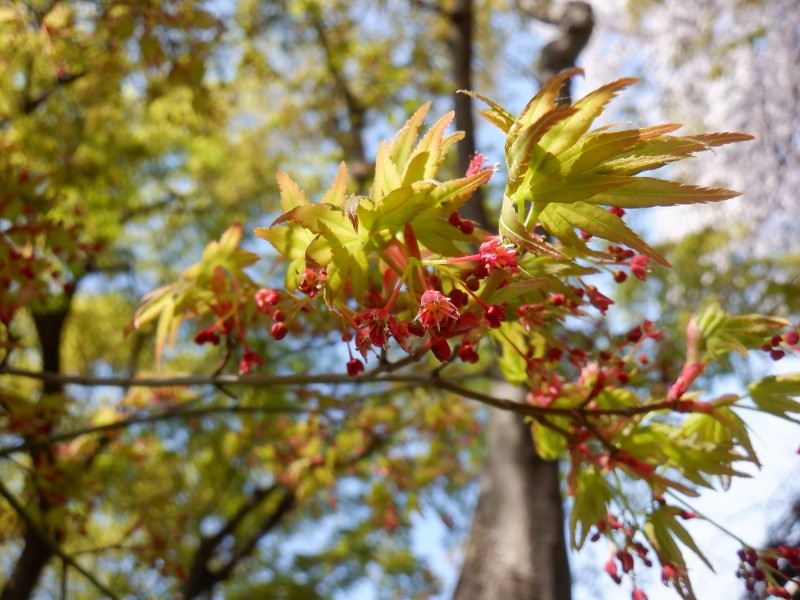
<point x="291" y="241"/>
<point x="496" y="114"/>
<point x="319" y="218"/>
<point x="291" y="194"/>
<point x="438" y="236"/>
<point x="556" y="223"/>
<point x="415" y="169"/>
<point x="152" y="305"/>
<point x="387" y="176"/>
<point x="591" y="501"/>
<point x="587" y="109"/>
<point x="450" y="140"/>
<point x="403" y="142"/>
<point x="519" y="155"/>
<point x="775" y="395"/>
<point x="351" y="210"/>
<point x="719" y="139"/>
<point x="680" y="532"/>
<point x="411" y="241"/>
<point x="337" y="193"/>
<point x="512" y="227"/>
<point x="432" y="144"/>
<point x="596" y="148"/>
<point x="229" y="240"/>
<point x="450" y="196"/>
<point x="515" y="290"/>
<point x="666" y="517"/>
<point x="575" y="188"/>
<point x="645" y="192"/>
<point x="633" y="165"/>
<point x="543" y="101"/>
<point x="661" y="539"/>
<point x="395" y="209"/>
<point x="601" y="223"/>
<point x="166" y="326"/>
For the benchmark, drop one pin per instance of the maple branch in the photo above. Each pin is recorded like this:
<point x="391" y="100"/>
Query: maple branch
<point x="40" y="533"/>
<point x="381" y="373"/>
<point x="173" y="413"/>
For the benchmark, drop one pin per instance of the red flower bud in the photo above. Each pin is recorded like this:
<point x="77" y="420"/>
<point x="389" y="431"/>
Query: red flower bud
<point x="638" y="594"/>
<point x="250" y="360"/>
<point x="354" y="367"/>
<point x="494" y="316"/>
<point x="441" y="350"/>
<point x="279" y="330"/>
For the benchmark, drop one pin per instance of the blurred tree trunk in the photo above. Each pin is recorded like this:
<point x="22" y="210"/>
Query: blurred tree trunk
<point x="517" y="547"/>
<point x="36" y="552"/>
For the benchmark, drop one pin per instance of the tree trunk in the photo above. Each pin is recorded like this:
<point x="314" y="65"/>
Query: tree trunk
<point x="517" y="547"/>
<point x="36" y="553"/>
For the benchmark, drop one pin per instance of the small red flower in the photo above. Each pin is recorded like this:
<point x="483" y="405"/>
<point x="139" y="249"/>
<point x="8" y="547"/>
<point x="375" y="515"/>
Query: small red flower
<point x="639" y="266"/>
<point x="611" y="568"/>
<point x="265" y="298"/>
<point x="436" y="310"/>
<point x="312" y="281"/>
<point x="777" y="354"/>
<point x="466" y="352"/>
<point x="250" y="360"/>
<point x="400" y="332"/>
<point x="207" y="336"/>
<point x="494" y="316"/>
<point x="669" y="573"/>
<point x="638" y="594"/>
<point x="459" y="298"/>
<point x="476" y="165"/>
<point x="354" y="367"/>
<point x="497" y="255"/>
<point x="376" y="321"/>
<point x="598" y="300"/>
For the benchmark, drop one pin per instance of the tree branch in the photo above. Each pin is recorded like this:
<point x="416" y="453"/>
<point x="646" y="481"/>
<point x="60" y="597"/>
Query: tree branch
<point x="177" y="413"/>
<point x="382" y="373"/>
<point x="39" y="532"/>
